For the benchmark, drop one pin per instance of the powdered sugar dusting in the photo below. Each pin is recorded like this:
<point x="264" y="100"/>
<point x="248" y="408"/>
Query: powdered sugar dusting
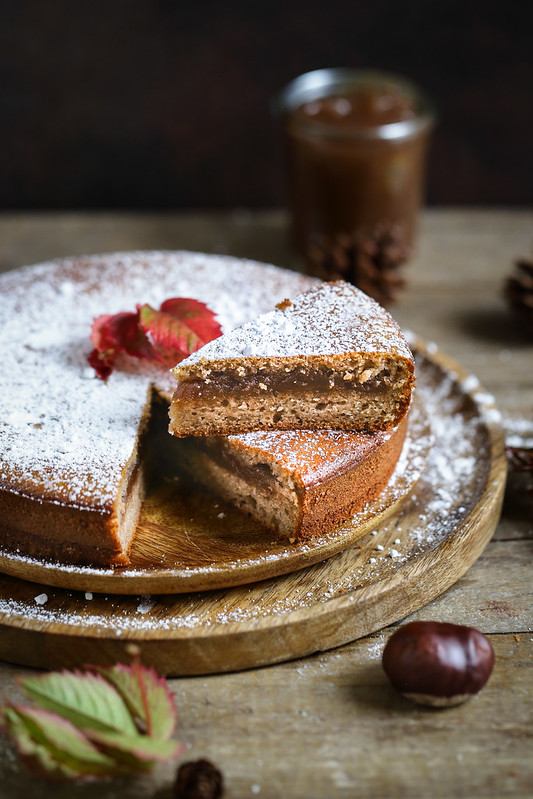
<point x="145" y="605"/>
<point x="41" y="599"/>
<point x="459" y="457"/>
<point x="331" y="319"/>
<point x="518" y="432"/>
<point x="312" y="454"/>
<point x="63" y="432"/>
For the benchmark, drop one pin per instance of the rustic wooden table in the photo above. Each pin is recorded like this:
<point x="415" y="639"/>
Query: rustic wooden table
<point x="330" y="725"/>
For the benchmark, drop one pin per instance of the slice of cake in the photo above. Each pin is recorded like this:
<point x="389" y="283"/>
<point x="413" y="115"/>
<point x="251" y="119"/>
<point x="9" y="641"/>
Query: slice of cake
<point x="297" y="483"/>
<point x="331" y="358"/>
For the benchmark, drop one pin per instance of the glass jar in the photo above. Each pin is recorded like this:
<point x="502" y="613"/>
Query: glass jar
<point x="356" y="144"/>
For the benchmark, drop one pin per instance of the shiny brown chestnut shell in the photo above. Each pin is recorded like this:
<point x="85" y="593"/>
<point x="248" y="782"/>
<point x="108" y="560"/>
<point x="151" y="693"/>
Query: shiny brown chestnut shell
<point x="438" y="663"/>
<point x="198" y="779"/>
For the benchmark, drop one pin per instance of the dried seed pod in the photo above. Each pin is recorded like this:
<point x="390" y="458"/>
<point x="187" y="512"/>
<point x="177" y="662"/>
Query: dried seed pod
<point x="437" y="663"/>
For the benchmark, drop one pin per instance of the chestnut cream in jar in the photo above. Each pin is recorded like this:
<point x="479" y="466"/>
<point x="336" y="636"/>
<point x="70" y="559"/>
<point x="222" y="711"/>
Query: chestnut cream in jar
<point x="356" y="145"/>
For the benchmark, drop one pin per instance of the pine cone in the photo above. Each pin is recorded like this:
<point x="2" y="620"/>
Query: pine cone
<point x="518" y="291"/>
<point x="368" y="259"/>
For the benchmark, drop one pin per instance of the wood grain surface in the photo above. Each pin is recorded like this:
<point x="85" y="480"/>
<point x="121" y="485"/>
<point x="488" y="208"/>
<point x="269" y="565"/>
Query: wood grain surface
<point x="330" y="725"/>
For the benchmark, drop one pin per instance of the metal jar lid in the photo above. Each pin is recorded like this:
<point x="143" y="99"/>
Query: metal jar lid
<point x="322" y="83"/>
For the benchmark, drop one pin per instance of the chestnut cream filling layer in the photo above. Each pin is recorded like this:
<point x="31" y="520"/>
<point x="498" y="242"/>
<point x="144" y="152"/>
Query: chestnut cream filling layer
<point x="257" y="473"/>
<point x="247" y="482"/>
<point x="290" y="382"/>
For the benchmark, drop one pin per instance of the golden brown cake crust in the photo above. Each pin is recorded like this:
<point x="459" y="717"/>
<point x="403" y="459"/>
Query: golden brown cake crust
<point x="335" y="501"/>
<point x="55" y="532"/>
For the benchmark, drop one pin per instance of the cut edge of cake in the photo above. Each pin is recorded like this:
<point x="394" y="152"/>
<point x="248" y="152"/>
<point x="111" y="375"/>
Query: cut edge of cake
<point x="331" y="358"/>
<point x="291" y="506"/>
<point x="100" y="534"/>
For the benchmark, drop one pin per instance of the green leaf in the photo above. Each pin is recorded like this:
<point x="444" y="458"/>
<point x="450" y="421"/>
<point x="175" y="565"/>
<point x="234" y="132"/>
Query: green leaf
<point x="87" y="700"/>
<point x="136" y="752"/>
<point x="147" y="697"/>
<point x="89" y="724"/>
<point x="52" y="747"/>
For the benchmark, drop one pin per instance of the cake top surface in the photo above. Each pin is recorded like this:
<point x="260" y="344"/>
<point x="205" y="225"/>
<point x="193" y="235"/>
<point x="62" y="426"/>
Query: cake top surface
<point x="311" y="456"/>
<point x="328" y="319"/>
<point x="65" y="435"/>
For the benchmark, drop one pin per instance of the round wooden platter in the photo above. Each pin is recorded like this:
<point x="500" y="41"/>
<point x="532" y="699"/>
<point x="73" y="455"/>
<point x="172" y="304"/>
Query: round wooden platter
<point x="188" y="541"/>
<point x="403" y="559"/>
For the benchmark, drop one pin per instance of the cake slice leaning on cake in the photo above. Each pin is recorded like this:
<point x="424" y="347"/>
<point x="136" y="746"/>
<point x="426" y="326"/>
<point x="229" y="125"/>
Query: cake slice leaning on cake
<point x="329" y="358"/>
<point x="297" y="483"/>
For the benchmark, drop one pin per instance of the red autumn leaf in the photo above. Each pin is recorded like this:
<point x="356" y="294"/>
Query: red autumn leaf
<point x="181" y="326"/>
<point x="114" y="333"/>
<point x="102" y="362"/>
<point x="121" y="332"/>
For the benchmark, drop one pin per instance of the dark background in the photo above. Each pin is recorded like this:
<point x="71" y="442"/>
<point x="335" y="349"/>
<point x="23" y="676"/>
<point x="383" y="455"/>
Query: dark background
<point x="161" y="104"/>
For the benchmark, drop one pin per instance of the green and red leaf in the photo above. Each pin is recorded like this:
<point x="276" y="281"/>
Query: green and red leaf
<point x="147" y="696"/>
<point x="135" y="752"/>
<point x="87" y="700"/>
<point x="53" y="747"/>
<point x="102" y="722"/>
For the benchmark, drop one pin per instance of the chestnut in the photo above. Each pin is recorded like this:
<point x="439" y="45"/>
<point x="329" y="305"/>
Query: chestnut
<point x="438" y="663"/>
<point x="198" y="779"/>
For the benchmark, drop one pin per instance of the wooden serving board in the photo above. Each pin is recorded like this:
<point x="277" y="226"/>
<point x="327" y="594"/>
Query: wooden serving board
<point x="411" y="552"/>
<point x="187" y="540"/>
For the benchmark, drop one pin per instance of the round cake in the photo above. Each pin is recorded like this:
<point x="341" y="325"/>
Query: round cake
<point x="72" y="470"/>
